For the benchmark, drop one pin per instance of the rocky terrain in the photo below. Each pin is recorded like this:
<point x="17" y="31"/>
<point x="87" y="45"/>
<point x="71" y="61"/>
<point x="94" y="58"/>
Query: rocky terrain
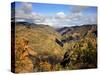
<point x="41" y="48"/>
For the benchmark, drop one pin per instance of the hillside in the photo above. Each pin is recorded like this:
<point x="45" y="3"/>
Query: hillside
<point x="76" y="33"/>
<point x="80" y="44"/>
<point x="40" y="39"/>
<point x="43" y="48"/>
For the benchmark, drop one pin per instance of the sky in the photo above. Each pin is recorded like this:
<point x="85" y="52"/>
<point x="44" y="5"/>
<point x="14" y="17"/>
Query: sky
<point x="56" y="15"/>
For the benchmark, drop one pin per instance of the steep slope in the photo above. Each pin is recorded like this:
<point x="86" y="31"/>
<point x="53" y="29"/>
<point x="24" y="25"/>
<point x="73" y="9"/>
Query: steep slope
<point x="42" y="48"/>
<point x="76" y="33"/>
<point x="80" y="46"/>
<point x="40" y="37"/>
<point x="36" y="44"/>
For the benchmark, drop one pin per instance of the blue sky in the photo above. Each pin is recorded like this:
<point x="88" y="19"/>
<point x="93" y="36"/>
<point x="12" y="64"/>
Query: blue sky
<point x="55" y="14"/>
<point x="51" y="9"/>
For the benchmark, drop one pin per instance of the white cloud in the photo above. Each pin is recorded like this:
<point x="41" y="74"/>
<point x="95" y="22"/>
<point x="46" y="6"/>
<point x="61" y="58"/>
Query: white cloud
<point x="78" y="9"/>
<point x="61" y="15"/>
<point x="25" y="13"/>
<point x="48" y="21"/>
<point x="20" y="20"/>
<point x="26" y="7"/>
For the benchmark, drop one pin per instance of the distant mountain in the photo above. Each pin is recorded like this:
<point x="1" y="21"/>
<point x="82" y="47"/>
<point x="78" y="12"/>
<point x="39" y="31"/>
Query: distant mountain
<point x="66" y="30"/>
<point x="75" y="33"/>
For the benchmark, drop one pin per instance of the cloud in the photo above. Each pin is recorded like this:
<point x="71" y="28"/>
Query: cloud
<point x="75" y="17"/>
<point x="26" y="7"/>
<point x="61" y="15"/>
<point x="37" y="18"/>
<point x="48" y="21"/>
<point x="78" y="9"/>
<point x="79" y="18"/>
<point x="25" y="13"/>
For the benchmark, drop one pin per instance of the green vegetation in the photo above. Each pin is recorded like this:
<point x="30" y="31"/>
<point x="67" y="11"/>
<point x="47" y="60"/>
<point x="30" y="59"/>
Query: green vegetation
<point x="37" y="50"/>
